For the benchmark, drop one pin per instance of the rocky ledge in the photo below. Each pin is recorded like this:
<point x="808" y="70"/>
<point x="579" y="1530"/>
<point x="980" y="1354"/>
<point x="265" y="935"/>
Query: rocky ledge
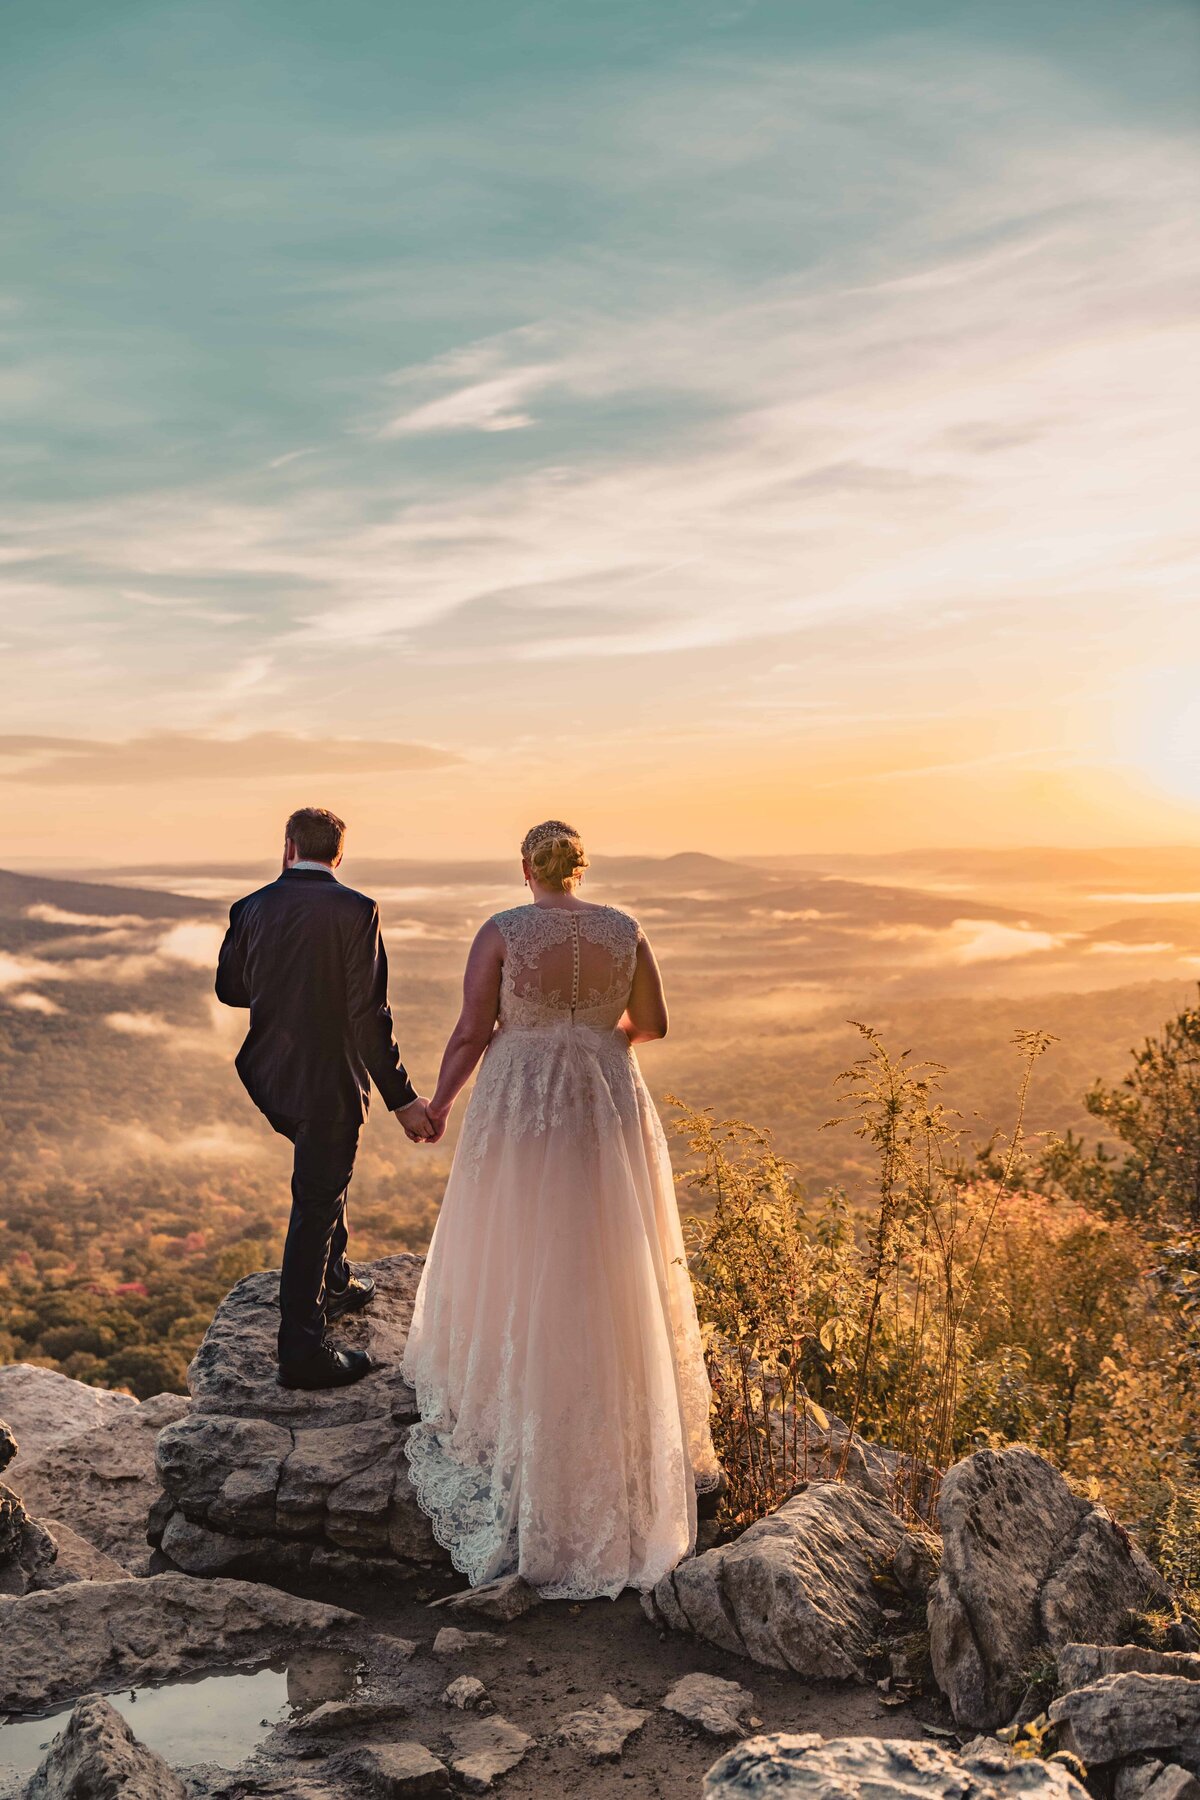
<point x="263" y="1480"/>
<point x="97" y="1634"/>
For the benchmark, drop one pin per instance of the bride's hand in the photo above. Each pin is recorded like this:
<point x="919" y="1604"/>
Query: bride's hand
<point x="439" y="1117"/>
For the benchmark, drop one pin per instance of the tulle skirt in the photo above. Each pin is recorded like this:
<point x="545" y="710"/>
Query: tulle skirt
<point x="554" y="1347"/>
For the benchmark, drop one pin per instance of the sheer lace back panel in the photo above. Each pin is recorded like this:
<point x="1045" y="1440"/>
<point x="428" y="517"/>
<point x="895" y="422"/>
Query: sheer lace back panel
<point x="565" y="966"/>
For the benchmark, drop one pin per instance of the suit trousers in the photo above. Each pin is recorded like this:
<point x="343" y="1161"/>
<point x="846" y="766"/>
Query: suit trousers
<point x="314" y="1253"/>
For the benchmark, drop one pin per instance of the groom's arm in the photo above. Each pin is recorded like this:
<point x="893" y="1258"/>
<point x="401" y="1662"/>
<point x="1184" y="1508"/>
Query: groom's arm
<point x="371" y="1016"/>
<point x="231" y="965"/>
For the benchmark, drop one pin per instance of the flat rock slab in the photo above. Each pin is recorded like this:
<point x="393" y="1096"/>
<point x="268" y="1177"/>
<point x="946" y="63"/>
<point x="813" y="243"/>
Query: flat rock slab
<point x="234" y="1369"/>
<point x="722" y="1708"/>
<point x="260" y="1479"/>
<point x="797" y="1590"/>
<point x="876" y="1769"/>
<point x="1081" y="1664"/>
<point x="101" y="1481"/>
<point x="503" y="1600"/>
<point x="404" y="1769"/>
<point x="1027" y="1566"/>
<point x="450" y="1641"/>
<point x="42" y="1408"/>
<point x="485" y="1749"/>
<point x="97" y="1634"/>
<point x="97" y="1757"/>
<point x="1131" y="1715"/>
<point x="601" y="1731"/>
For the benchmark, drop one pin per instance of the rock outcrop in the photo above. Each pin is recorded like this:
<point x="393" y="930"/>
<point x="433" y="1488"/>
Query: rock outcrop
<point x="100" y="1480"/>
<point x="797" y="1590"/>
<point x="97" y="1756"/>
<point x="871" y="1768"/>
<point x="97" y="1634"/>
<point x="42" y="1408"/>
<point x="260" y="1479"/>
<point x="1027" y="1566"/>
<point x="1132" y="1715"/>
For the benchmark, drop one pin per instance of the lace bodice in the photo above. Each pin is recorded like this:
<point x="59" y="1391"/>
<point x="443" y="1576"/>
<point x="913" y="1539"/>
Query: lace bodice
<point x="564" y="965"/>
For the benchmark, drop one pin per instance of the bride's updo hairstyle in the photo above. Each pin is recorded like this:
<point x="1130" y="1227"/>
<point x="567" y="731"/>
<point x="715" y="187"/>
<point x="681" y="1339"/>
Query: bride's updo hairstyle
<point x="555" y="855"/>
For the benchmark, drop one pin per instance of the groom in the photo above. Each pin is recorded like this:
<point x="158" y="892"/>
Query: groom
<point x="306" y="957"/>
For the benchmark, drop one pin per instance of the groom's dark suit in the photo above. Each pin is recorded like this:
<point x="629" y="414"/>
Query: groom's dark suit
<point x="305" y="955"/>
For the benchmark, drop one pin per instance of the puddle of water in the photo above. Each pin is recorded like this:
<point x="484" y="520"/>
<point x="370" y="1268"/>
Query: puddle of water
<point x="205" y="1718"/>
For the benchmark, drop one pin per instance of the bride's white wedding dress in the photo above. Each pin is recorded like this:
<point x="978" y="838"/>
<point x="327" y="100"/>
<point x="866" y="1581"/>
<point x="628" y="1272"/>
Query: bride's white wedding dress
<point x="554" y="1347"/>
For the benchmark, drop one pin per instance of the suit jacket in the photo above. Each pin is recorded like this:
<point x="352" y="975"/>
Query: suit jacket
<point x="305" y="955"/>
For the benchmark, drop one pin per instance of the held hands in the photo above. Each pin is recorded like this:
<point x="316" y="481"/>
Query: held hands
<point x="419" y="1128"/>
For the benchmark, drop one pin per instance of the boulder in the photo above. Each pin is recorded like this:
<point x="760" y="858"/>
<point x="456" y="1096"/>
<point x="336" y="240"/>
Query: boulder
<point x="261" y="1479"/>
<point x="27" y="1550"/>
<point x="722" y="1708"/>
<point x="100" y="1480"/>
<point x="8" y="1445"/>
<point x="485" y="1749"/>
<point x="1027" y="1566"/>
<point x="1131" y="1715"/>
<point x="875" y="1769"/>
<point x="798" y="1590"/>
<point x="1173" y="1783"/>
<point x="601" y="1731"/>
<point x="1081" y="1664"/>
<point x="97" y="1757"/>
<point x="96" y="1634"/>
<point x="42" y="1408"/>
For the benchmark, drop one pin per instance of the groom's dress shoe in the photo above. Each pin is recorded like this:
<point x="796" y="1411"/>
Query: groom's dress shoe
<point x="358" y="1292"/>
<point x="326" y="1368"/>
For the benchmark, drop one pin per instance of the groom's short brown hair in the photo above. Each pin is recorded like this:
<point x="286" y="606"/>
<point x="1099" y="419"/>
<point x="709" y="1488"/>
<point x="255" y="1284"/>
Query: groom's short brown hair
<point x="318" y="834"/>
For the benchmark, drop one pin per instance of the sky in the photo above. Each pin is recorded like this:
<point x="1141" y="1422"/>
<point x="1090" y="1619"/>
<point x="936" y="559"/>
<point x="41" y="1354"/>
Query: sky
<point x="745" y="425"/>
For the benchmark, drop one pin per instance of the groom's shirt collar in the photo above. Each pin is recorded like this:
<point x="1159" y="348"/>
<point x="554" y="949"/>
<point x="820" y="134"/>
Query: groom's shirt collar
<point x="303" y="868"/>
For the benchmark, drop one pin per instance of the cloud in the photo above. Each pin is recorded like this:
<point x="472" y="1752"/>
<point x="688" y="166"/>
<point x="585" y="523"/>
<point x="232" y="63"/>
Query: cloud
<point x="1113" y="947"/>
<point x="34" y="1003"/>
<point x="136" y="1024"/>
<point x="987" y="940"/>
<point x="176" y="756"/>
<point x="16" y="971"/>
<point x="490" y="400"/>
<point x="967" y="941"/>
<point x="192" y="943"/>
<point x="56" y="915"/>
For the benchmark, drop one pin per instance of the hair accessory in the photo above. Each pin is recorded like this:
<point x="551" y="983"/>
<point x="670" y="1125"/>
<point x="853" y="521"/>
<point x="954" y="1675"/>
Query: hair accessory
<point x="542" y="834"/>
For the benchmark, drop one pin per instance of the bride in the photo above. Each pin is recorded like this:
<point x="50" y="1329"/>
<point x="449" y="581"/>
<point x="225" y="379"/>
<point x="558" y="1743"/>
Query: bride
<point x="554" y="1347"/>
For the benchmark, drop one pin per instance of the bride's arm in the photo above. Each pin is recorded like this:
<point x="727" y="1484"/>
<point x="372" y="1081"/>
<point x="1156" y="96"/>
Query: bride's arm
<point x="476" y="1023"/>
<point x="646" y="1013"/>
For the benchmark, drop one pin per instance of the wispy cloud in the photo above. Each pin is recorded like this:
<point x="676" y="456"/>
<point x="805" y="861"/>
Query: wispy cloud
<point x="169" y="757"/>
